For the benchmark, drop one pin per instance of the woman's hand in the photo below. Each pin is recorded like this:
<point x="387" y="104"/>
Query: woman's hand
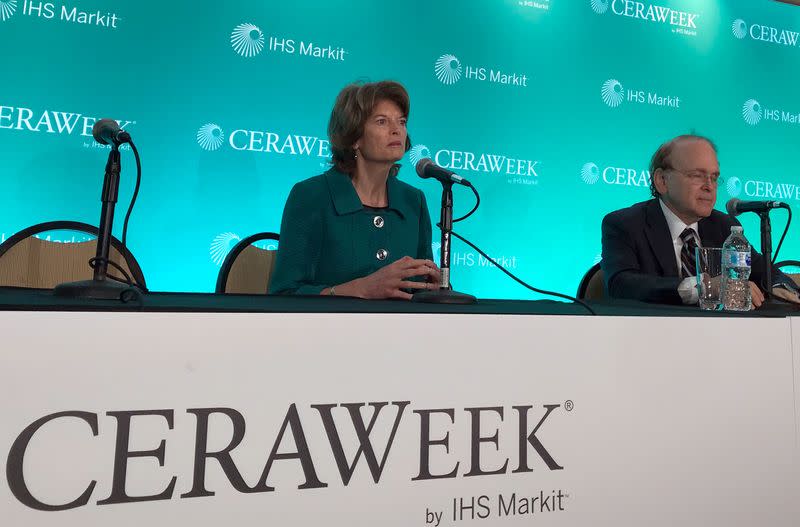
<point x="389" y="281"/>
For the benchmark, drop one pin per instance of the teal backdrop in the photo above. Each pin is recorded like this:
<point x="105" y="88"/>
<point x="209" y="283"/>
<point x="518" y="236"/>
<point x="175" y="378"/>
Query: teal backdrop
<point x="551" y="108"/>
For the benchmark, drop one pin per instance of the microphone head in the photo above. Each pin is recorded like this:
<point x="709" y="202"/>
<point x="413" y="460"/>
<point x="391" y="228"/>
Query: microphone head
<point x="423" y="164"/>
<point x="732" y="206"/>
<point x="104" y="130"/>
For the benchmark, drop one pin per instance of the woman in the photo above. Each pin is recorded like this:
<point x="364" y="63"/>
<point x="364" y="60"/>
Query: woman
<point x="356" y="230"/>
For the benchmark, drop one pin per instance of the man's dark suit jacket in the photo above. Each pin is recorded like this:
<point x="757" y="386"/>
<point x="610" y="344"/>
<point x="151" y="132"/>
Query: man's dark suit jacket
<point x="639" y="257"/>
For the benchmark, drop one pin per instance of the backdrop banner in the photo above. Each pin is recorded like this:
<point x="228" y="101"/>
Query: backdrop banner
<point x="551" y="108"/>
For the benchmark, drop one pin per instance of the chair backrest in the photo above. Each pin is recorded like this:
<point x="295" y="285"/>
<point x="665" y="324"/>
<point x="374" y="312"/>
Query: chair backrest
<point x="30" y="261"/>
<point x="791" y="263"/>
<point x="247" y="269"/>
<point x="591" y="286"/>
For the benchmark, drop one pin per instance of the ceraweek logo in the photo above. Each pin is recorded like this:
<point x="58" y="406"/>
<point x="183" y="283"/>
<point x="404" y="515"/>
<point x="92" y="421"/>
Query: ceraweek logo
<point x="753" y="113"/>
<point x="63" y="13"/>
<point x="680" y="22"/>
<point x="211" y="137"/>
<point x="760" y="189"/>
<point x="591" y="173"/>
<point x="518" y="171"/>
<point x="247" y="39"/>
<point x="448" y="70"/>
<point x="26" y="120"/>
<point x="764" y="33"/>
<point x="438" y="458"/>
<point x="614" y="94"/>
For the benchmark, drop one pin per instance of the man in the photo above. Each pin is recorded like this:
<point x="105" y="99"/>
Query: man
<point x="643" y="244"/>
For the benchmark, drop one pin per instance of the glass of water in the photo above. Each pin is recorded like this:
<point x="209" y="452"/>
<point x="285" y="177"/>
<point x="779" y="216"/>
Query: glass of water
<point x="709" y="274"/>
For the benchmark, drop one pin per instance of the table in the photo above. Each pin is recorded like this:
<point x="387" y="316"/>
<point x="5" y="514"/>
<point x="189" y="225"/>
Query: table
<point x="201" y="409"/>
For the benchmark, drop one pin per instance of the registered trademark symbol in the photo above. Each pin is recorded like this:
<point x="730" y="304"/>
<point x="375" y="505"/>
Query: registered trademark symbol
<point x="569" y="405"/>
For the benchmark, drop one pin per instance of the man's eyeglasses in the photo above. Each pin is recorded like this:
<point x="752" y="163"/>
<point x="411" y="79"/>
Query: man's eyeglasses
<point x="698" y="177"/>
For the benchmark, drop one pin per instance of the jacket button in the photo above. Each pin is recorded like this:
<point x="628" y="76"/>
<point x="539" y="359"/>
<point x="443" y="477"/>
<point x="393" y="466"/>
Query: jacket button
<point x="381" y="254"/>
<point x="377" y="221"/>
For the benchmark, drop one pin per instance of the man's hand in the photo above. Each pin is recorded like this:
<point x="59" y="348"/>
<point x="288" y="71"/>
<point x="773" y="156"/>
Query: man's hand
<point x="756" y="295"/>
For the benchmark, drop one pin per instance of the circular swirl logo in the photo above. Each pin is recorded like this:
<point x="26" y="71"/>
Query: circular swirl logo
<point x="590" y="173"/>
<point x="600" y="6"/>
<point x="7" y="9"/>
<point x="734" y="187"/>
<point x="418" y="152"/>
<point x="247" y="40"/>
<point x="612" y="93"/>
<point x="221" y="245"/>
<point x="448" y="69"/>
<point x="751" y="112"/>
<point x="739" y="28"/>
<point x="210" y="137"/>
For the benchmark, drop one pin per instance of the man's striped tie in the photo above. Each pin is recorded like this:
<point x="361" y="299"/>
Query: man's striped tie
<point x="688" y="265"/>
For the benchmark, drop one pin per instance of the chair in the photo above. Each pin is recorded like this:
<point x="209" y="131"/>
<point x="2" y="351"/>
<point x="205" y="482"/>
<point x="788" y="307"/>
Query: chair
<point x="247" y="269"/>
<point x="591" y="286"/>
<point x="30" y="261"/>
<point x="791" y="263"/>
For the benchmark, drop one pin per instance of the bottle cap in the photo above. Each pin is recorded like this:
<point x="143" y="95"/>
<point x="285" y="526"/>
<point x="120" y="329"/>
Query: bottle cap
<point x="737" y="228"/>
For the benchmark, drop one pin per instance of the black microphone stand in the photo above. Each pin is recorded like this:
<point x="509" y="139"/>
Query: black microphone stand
<point x="766" y="252"/>
<point x="445" y="294"/>
<point x="770" y="300"/>
<point x="100" y="286"/>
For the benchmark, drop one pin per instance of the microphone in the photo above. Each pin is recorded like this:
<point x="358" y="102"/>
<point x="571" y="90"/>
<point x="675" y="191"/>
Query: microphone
<point x="107" y="131"/>
<point x="426" y="168"/>
<point x="737" y="206"/>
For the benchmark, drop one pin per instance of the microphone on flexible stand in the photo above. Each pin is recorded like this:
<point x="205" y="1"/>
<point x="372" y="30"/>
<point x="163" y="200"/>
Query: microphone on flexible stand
<point x="105" y="132"/>
<point x="737" y="206"/>
<point x="426" y="168"/>
<point x="762" y="208"/>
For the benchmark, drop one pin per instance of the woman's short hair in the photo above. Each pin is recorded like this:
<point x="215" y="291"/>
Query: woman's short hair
<point x="354" y="104"/>
<point x="661" y="158"/>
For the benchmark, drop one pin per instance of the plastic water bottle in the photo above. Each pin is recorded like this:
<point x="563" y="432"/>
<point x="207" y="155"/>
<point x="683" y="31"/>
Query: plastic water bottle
<point x="735" y="287"/>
